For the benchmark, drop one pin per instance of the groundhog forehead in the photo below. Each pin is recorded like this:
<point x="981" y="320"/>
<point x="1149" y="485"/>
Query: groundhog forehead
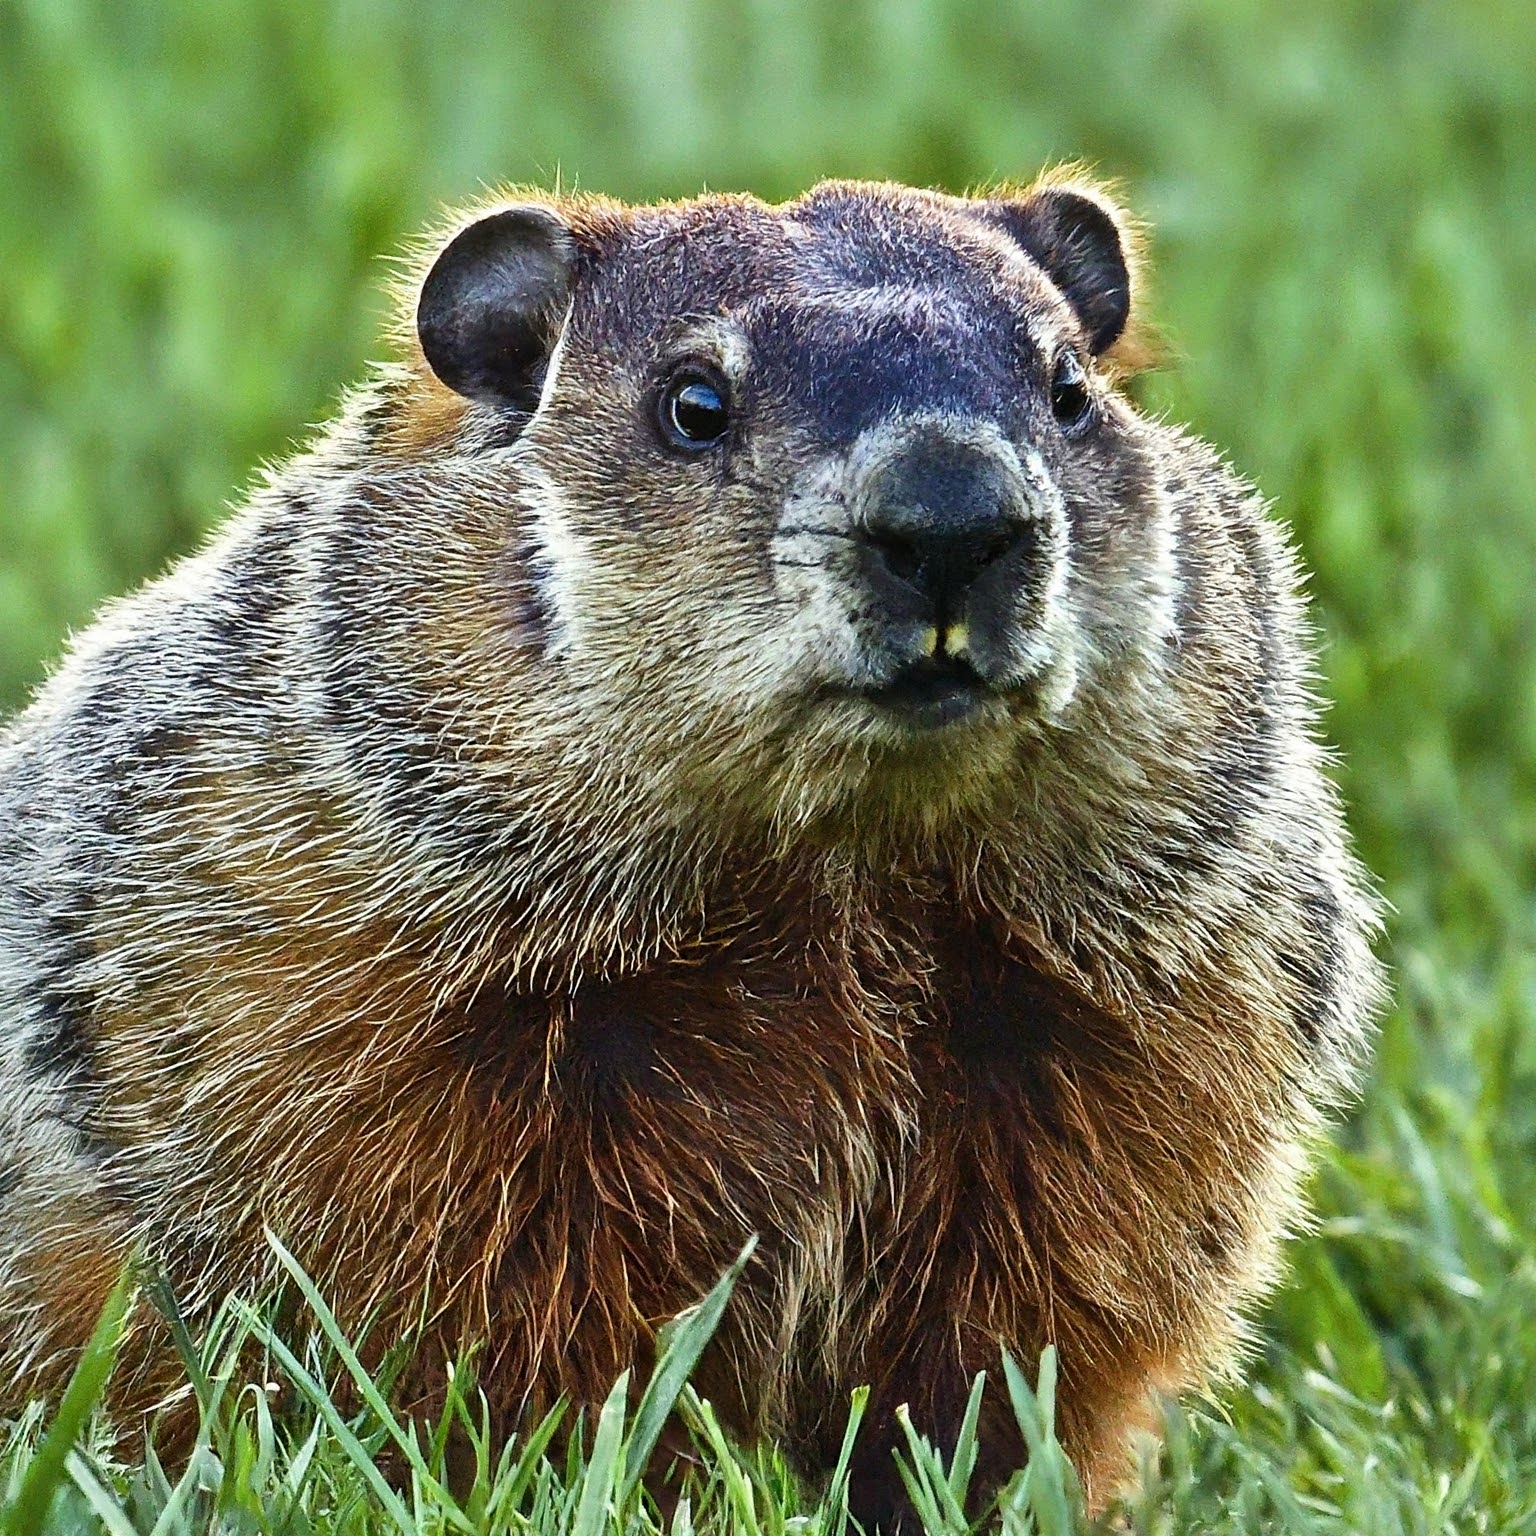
<point x="849" y="304"/>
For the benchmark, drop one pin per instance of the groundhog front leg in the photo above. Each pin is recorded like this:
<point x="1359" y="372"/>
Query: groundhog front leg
<point x="1079" y="1183"/>
<point x="933" y="1347"/>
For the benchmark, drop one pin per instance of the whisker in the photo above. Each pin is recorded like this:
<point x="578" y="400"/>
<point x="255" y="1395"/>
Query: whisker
<point x="820" y="533"/>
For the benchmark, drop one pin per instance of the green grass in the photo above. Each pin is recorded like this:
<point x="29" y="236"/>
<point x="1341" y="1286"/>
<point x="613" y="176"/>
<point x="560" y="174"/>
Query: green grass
<point x="317" y="1468"/>
<point x="1343" y="196"/>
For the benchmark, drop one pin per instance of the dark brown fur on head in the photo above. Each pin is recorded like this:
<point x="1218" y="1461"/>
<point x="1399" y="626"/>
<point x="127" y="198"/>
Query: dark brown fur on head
<point x="742" y="729"/>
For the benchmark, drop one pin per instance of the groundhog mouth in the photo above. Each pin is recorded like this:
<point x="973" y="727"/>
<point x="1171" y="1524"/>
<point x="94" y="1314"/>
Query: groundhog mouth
<point x="931" y="693"/>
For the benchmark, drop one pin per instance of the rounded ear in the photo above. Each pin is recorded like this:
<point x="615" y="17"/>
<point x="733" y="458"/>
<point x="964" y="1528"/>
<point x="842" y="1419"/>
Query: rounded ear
<point x="1080" y="241"/>
<point x="491" y="307"/>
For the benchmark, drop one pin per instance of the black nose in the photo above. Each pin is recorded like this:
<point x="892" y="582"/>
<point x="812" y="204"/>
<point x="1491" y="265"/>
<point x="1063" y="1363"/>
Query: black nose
<point x="938" y="515"/>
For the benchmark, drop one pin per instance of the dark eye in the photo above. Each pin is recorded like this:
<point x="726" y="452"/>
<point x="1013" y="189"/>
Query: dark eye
<point x="692" y="411"/>
<point x="1071" y="403"/>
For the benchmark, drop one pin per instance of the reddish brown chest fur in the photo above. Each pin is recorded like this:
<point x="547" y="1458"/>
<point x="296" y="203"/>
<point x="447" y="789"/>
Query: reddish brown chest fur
<point x="942" y="1151"/>
<point x="642" y="1129"/>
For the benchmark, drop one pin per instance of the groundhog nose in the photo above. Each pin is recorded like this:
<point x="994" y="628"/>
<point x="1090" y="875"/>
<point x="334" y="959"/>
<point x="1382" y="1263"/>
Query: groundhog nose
<point x="936" y="517"/>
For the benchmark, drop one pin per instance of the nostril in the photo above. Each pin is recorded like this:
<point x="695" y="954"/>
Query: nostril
<point x="1001" y="543"/>
<point x="901" y="556"/>
<point x="962" y="554"/>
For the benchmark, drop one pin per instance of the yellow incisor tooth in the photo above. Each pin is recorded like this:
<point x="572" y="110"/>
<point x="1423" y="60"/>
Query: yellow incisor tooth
<point x="956" y="638"/>
<point x="930" y="641"/>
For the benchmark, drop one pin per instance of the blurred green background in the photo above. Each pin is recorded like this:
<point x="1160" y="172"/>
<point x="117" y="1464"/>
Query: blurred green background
<point x="194" y="199"/>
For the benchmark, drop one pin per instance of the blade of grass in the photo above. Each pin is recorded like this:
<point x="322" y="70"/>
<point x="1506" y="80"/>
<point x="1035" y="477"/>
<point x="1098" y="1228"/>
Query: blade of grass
<point x="356" y="1452"/>
<point x="737" y="1489"/>
<point x="532" y="1456"/>
<point x="298" y="1467"/>
<point x="962" y="1464"/>
<point x="158" y="1289"/>
<point x="835" y="1504"/>
<point x="1048" y="1485"/>
<point x="354" y="1367"/>
<point x="684" y="1340"/>
<point x="174" y="1516"/>
<point x="603" y="1466"/>
<point x="921" y="1477"/>
<point x="29" y="1513"/>
<point x="107" y="1506"/>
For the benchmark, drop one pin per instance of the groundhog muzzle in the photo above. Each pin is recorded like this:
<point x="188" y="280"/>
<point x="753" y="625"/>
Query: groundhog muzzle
<point x="742" y="728"/>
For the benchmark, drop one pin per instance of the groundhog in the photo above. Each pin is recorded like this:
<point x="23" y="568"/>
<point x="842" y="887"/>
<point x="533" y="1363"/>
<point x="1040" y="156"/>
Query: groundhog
<point x="741" y="728"/>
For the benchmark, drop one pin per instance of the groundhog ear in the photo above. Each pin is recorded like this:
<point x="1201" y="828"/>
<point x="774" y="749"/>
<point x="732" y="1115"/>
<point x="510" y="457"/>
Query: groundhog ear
<point x="491" y="308"/>
<point x="1080" y="241"/>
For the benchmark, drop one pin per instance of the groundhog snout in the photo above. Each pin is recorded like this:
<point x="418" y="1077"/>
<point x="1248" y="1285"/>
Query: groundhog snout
<point x="945" y="530"/>
<point x="952" y="548"/>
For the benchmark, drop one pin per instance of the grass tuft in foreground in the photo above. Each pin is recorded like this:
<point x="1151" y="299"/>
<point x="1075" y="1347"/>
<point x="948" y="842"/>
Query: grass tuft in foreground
<point x="1360" y="1435"/>
<point x="316" y="1468"/>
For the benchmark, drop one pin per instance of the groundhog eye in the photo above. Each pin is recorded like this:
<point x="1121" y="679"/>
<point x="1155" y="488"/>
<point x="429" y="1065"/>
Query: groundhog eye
<point x="692" y="411"/>
<point x="1071" y="403"/>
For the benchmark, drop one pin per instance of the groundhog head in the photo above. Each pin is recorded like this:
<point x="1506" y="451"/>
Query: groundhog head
<point x="820" y="506"/>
